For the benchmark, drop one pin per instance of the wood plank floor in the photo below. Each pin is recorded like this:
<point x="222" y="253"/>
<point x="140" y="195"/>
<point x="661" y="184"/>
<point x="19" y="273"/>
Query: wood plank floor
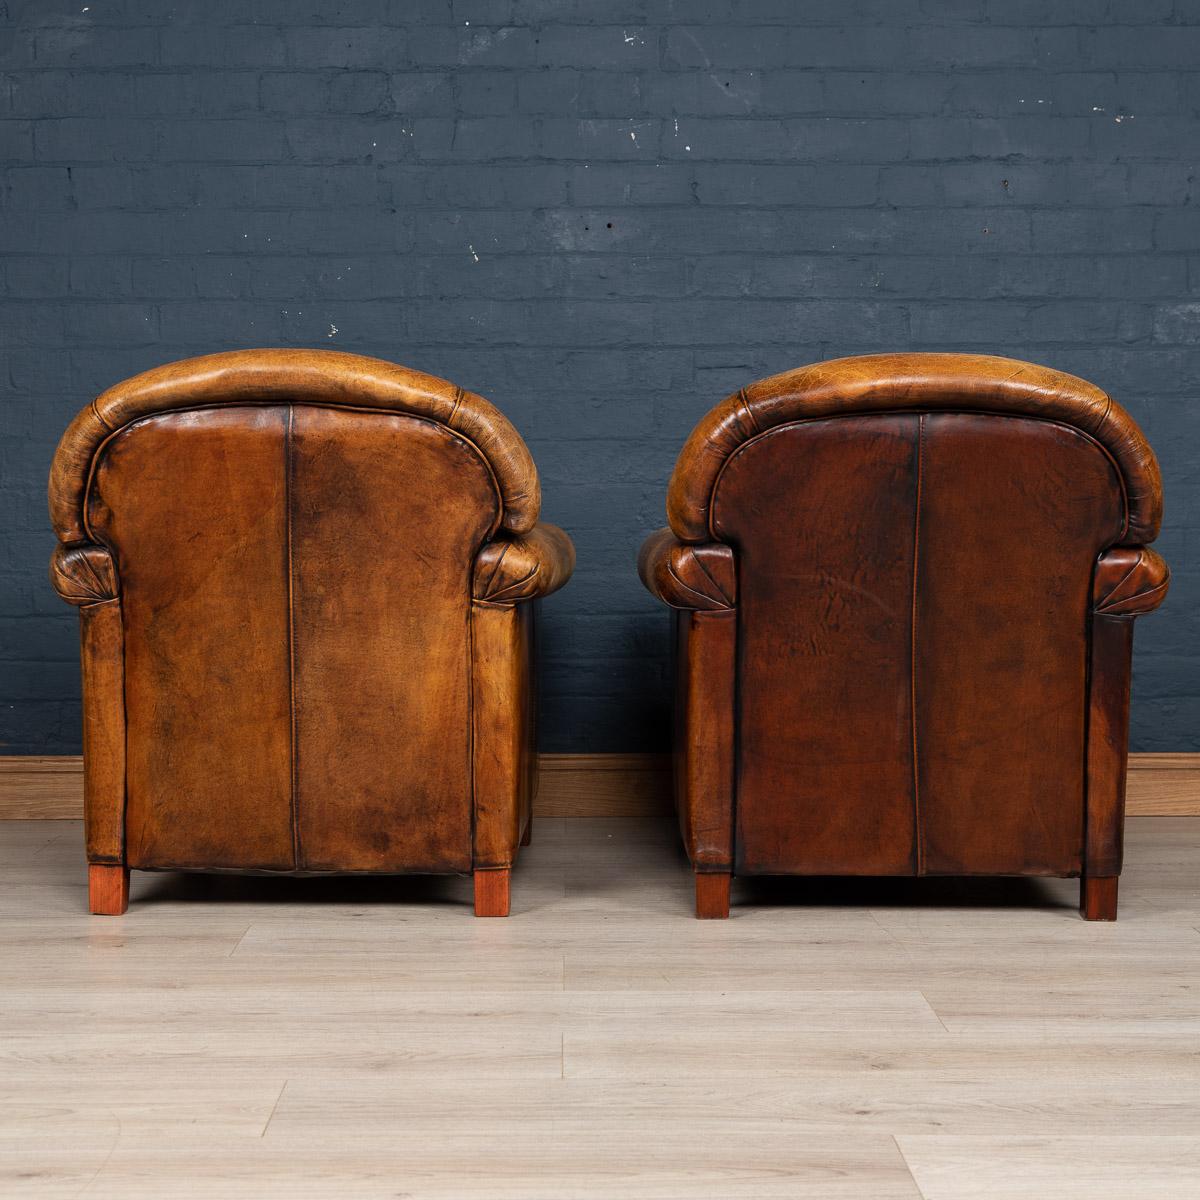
<point x="370" y="1038"/>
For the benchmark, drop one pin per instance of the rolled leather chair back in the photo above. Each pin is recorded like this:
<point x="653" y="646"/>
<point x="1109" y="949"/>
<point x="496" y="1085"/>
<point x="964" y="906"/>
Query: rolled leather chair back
<point x="294" y="536"/>
<point x="915" y="539"/>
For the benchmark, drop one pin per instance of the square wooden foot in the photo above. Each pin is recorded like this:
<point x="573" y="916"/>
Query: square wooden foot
<point x="108" y="889"/>
<point x="491" y="893"/>
<point x="1098" y="898"/>
<point x="712" y="896"/>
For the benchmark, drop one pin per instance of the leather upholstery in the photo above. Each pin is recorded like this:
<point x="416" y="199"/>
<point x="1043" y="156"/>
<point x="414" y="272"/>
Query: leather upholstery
<point x="524" y="568"/>
<point x="83" y="574"/>
<point x="913" y="382"/>
<point x="922" y="546"/>
<point x="266" y="377"/>
<point x="705" y="730"/>
<point x="700" y="577"/>
<point x="285" y="679"/>
<point x="1129" y="581"/>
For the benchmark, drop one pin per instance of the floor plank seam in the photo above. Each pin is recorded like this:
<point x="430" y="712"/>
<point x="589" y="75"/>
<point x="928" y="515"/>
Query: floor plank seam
<point x="274" y="1109"/>
<point x="908" y="1167"/>
<point x="935" y="1012"/>
<point x="87" y="1187"/>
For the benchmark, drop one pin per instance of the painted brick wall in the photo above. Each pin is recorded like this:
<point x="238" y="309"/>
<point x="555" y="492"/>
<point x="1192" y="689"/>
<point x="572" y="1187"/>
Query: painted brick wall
<point x="603" y="216"/>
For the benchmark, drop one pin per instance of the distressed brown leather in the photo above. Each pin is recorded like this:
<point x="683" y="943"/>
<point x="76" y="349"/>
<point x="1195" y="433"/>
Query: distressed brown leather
<point x="705" y="727"/>
<point x="523" y="567"/>
<point x="288" y="547"/>
<point x="925" y="549"/>
<point x="264" y="377"/>
<point x="907" y="383"/>
<point x="83" y="574"/>
<point x="86" y="576"/>
<point x="701" y="578"/>
<point x="1129" y="581"/>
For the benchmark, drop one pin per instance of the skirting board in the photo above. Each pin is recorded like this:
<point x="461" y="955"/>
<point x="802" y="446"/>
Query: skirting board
<point x="581" y="785"/>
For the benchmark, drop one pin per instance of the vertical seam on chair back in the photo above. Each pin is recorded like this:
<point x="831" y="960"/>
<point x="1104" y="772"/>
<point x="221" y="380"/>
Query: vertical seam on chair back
<point x="918" y="840"/>
<point x="288" y="460"/>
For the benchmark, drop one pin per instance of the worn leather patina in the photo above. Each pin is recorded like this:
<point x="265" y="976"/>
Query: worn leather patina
<point x="306" y="581"/>
<point x="905" y="585"/>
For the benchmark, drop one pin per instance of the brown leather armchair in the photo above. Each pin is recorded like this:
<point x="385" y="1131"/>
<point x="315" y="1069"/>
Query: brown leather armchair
<point x="305" y="584"/>
<point x="905" y="587"/>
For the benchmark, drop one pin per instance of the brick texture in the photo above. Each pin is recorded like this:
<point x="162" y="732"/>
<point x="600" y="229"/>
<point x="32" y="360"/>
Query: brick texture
<point x="604" y="217"/>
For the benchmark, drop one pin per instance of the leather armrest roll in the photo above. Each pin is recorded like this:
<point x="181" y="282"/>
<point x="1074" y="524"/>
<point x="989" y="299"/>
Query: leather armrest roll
<point x="84" y="574"/>
<point x="1129" y="581"/>
<point x="697" y="577"/>
<point x="516" y="568"/>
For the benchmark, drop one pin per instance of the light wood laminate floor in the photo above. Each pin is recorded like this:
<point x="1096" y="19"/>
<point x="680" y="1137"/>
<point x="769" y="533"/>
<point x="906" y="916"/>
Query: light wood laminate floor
<point x="370" y="1038"/>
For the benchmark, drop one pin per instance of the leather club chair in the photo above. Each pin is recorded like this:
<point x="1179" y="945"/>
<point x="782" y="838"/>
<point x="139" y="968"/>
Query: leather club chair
<point x="305" y="582"/>
<point x="905" y="587"/>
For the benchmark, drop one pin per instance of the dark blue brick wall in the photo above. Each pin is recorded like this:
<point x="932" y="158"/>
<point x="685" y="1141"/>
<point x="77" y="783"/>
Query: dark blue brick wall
<point x="603" y="216"/>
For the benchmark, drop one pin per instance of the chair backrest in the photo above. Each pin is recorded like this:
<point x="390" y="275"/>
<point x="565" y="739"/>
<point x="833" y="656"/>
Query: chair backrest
<point x="294" y="533"/>
<point x="915" y="538"/>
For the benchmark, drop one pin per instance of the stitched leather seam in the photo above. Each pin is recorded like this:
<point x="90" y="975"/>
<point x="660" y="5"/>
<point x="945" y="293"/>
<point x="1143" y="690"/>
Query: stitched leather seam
<point x="1101" y="424"/>
<point x="96" y="414"/>
<point x="97" y="588"/>
<point x="99" y="584"/>
<point x="1154" y="591"/>
<point x="1112" y="591"/>
<point x="1116" y="605"/>
<point x="709" y="576"/>
<point x="458" y="399"/>
<point x="291" y="613"/>
<point x="1140" y="597"/>
<point x="515" y="586"/>
<point x="749" y="411"/>
<point x="686" y="587"/>
<point x="88" y="582"/>
<point x="487" y="587"/>
<point x="918" y="839"/>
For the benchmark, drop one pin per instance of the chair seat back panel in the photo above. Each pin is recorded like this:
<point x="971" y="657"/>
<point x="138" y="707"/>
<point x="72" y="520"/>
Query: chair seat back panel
<point x="296" y="599"/>
<point x="387" y="515"/>
<point x="1013" y="515"/>
<point x="913" y="639"/>
<point x="821" y="517"/>
<point x="194" y="507"/>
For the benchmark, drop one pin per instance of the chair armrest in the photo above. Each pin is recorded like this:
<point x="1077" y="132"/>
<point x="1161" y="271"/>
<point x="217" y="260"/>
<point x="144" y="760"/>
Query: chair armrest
<point x="84" y="574"/>
<point x="701" y="577"/>
<point x="523" y="566"/>
<point x="1129" y="581"/>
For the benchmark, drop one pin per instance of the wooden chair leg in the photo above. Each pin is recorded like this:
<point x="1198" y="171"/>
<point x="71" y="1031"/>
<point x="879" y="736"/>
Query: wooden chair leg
<point x="108" y="888"/>
<point x="712" y="896"/>
<point x="527" y="836"/>
<point x="491" y="893"/>
<point x="1098" y="898"/>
